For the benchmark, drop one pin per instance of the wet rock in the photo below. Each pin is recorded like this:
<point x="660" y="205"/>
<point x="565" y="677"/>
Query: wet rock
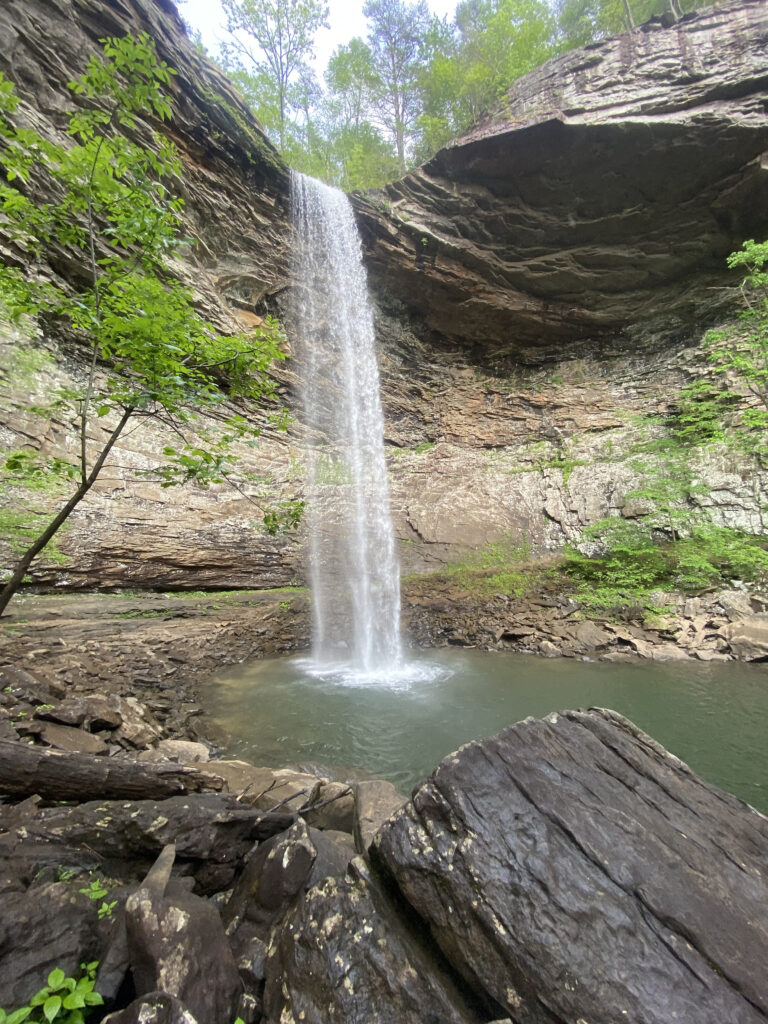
<point x="166" y="937"/>
<point x="344" y="957"/>
<point x="375" y="800"/>
<point x="572" y="869"/>
<point x="273" y="876"/>
<point x="153" y="1008"/>
<point x="204" y="827"/>
<point x="41" y="928"/>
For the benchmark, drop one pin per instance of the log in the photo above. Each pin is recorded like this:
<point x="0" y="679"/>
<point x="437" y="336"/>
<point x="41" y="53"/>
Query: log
<point x="57" y="775"/>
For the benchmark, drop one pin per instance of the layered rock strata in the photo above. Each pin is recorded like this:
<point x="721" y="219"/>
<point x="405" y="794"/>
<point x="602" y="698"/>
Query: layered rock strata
<point x="599" y="200"/>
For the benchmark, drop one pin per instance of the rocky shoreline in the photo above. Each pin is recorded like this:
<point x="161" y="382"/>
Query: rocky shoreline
<point x="299" y="898"/>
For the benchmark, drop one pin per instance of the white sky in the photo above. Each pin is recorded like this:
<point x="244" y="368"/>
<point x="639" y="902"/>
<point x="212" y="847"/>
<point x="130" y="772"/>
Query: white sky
<point x="345" y="19"/>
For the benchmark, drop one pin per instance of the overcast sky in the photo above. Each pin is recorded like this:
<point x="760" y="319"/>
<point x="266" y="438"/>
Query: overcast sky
<point x="345" y="19"/>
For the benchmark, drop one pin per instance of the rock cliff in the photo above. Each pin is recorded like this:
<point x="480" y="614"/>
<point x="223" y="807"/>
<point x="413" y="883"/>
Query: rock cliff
<point x="543" y="284"/>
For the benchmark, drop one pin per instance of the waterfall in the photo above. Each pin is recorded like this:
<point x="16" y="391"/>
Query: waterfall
<point x="354" y="570"/>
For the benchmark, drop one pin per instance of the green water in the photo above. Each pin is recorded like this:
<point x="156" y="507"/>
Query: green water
<point x="713" y="716"/>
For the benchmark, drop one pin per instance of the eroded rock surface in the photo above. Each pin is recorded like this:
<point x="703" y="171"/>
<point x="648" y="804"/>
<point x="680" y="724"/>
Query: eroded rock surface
<point x="601" y="196"/>
<point x="344" y="957"/>
<point x="571" y="869"/>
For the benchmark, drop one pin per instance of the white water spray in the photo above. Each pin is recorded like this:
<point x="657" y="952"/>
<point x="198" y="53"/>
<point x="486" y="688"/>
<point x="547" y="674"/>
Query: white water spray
<point x="354" y="569"/>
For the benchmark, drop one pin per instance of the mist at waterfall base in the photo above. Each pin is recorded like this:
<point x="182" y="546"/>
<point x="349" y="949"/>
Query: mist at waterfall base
<point x="710" y="715"/>
<point x="354" y="572"/>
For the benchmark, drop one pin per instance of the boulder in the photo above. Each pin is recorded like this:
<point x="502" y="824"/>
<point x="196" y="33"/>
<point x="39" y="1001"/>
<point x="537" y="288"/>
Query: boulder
<point x="41" y="928"/>
<point x="572" y="869"/>
<point x="344" y="956"/>
<point x="338" y="807"/>
<point x="375" y="800"/>
<point x="177" y="946"/>
<point x="748" y="638"/>
<point x="153" y="1008"/>
<point x="280" y="869"/>
<point x="94" y="711"/>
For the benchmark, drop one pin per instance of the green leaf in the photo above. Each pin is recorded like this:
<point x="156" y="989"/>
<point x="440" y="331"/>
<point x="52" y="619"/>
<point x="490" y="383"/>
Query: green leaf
<point x="56" y="978"/>
<point x="51" y="1007"/>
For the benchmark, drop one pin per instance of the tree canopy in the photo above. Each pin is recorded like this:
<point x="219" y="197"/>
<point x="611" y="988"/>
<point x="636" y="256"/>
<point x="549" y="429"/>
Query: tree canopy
<point x="390" y="101"/>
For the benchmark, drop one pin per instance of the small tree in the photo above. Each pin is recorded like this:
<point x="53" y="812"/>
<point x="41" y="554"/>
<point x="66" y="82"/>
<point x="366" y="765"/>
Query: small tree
<point x="150" y="355"/>
<point x="284" y="33"/>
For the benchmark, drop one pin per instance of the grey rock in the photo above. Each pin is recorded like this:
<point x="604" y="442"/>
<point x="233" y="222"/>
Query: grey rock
<point x="44" y="927"/>
<point x="177" y="946"/>
<point x="748" y="638"/>
<point x="572" y="869"/>
<point x="344" y="957"/>
<point x="78" y="741"/>
<point x="153" y="1008"/>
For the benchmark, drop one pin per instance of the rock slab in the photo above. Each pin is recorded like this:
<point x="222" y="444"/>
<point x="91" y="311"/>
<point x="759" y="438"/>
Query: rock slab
<point x="572" y="869"/>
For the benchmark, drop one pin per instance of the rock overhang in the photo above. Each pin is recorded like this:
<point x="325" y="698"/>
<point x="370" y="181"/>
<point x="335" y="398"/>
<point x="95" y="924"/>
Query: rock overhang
<point x="601" y="197"/>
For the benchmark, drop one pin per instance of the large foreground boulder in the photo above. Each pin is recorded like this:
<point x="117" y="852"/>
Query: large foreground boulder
<point x="573" y="870"/>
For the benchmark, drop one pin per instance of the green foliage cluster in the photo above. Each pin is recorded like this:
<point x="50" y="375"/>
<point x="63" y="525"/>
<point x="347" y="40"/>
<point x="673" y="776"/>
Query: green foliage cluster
<point x="501" y="567"/>
<point x="633" y="567"/>
<point x="62" y="1001"/>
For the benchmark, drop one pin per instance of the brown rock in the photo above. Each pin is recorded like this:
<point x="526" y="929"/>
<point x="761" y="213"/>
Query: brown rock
<point x="375" y="801"/>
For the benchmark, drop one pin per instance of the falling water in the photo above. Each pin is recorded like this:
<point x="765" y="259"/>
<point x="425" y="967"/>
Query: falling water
<point x="354" y="569"/>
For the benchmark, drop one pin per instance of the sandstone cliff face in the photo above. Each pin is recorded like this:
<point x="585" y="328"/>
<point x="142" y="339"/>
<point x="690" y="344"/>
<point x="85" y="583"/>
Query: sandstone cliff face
<point x="542" y="287"/>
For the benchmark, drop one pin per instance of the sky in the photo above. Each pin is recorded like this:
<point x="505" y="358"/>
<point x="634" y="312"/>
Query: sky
<point x="345" y="19"/>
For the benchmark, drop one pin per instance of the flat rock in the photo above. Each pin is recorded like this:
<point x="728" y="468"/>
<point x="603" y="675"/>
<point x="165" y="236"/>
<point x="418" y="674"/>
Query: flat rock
<point x="94" y="711"/>
<point x="572" y="869"/>
<point x="375" y="800"/>
<point x="266" y="787"/>
<point x="748" y="638"/>
<point x="76" y="741"/>
<point x="181" y="751"/>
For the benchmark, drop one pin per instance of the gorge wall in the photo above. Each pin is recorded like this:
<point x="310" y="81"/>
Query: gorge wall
<point x="542" y="283"/>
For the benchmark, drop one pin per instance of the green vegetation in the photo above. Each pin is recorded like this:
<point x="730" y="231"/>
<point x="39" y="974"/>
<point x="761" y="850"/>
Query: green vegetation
<point x="666" y="540"/>
<point x="62" y="1001"/>
<point x="501" y="567"/>
<point x="96" y="891"/>
<point x="633" y="568"/>
<point x="150" y="355"/>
